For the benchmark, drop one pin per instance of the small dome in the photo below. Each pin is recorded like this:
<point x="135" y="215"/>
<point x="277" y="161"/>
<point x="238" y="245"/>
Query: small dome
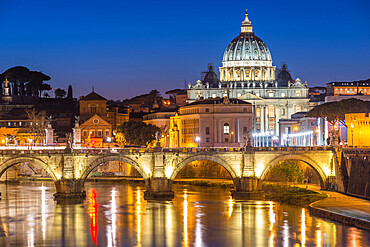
<point x="210" y="77"/>
<point x="284" y="76"/>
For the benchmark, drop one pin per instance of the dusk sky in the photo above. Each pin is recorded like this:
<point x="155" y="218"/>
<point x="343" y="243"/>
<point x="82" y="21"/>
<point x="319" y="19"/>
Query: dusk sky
<point x="126" y="48"/>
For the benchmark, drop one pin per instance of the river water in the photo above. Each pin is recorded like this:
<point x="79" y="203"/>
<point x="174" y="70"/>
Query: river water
<point x="115" y="214"/>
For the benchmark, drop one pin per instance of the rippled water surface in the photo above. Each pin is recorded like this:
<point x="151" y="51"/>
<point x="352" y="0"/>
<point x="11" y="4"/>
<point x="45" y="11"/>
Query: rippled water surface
<point x="115" y="214"/>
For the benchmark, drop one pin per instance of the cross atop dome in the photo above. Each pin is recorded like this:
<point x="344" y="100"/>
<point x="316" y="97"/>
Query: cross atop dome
<point x="246" y="25"/>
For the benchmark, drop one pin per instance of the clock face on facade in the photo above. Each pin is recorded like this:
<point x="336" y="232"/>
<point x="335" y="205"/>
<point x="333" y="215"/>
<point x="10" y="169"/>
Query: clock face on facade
<point x="96" y="121"/>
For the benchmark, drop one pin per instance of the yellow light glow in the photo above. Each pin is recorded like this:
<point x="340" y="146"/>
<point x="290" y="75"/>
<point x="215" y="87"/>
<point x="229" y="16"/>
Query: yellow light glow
<point x="168" y="171"/>
<point x="138" y="217"/>
<point x="303" y="228"/>
<point x="295" y="128"/>
<point x="326" y="171"/>
<point x="318" y="238"/>
<point x="259" y="169"/>
<point x="185" y="213"/>
<point x="230" y="206"/>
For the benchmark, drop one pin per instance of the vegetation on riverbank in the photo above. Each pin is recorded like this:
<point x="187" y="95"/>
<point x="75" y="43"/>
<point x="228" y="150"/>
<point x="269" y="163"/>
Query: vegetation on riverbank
<point x="291" y="195"/>
<point x="207" y="183"/>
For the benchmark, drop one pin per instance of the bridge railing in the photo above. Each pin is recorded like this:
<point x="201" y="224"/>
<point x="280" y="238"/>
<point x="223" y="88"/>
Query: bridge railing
<point x="11" y="151"/>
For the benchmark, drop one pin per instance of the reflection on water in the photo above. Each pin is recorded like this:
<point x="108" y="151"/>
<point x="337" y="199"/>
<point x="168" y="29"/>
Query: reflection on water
<point x="115" y="214"/>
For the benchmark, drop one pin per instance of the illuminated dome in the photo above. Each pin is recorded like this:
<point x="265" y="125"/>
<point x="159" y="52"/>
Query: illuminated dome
<point x="247" y="57"/>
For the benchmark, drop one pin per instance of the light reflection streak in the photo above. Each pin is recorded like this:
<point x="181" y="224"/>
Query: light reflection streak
<point x="198" y="232"/>
<point x="272" y="222"/>
<point x="111" y="231"/>
<point x="43" y="211"/>
<point x="138" y="217"/>
<point x="303" y="228"/>
<point x="286" y="232"/>
<point x="31" y="233"/>
<point x="93" y="213"/>
<point x="318" y="238"/>
<point x="271" y="215"/>
<point x="230" y="206"/>
<point x="185" y="213"/>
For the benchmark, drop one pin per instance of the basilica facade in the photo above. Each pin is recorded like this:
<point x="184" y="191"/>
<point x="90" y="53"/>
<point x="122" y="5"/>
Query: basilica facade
<point x="248" y="74"/>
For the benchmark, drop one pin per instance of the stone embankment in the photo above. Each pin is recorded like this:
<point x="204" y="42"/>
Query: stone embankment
<point x="345" y="209"/>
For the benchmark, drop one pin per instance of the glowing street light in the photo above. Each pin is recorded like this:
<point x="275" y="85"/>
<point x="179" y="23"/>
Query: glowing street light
<point x="198" y="140"/>
<point x="109" y="139"/>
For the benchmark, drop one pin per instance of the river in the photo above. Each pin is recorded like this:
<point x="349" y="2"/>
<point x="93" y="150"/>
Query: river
<point x="115" y="214"/>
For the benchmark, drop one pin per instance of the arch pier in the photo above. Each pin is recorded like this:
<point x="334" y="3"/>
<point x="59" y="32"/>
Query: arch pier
<point x="159" y="167"/>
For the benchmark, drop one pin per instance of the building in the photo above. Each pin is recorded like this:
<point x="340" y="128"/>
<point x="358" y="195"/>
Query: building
<point x="349" y="88"/>
<point x="301" y="130"/>
<point x="94" y="104"/>
<point x="358" y="129"/>
<point x="215" y="122"/>
<point x="247" y="73"/>
<point x="96" y="132"/>
<point x="161" y="119"/>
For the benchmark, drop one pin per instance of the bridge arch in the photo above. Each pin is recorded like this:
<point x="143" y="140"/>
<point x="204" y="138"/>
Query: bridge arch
<point x="18" y="160"/>
<point x="299" y="157"/>
<point x="99" y="161"/>
<point x="197" y="157"/>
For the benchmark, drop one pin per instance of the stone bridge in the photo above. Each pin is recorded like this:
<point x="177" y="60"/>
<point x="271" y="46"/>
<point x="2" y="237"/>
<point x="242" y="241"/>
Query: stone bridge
<point x="247" y="166"/>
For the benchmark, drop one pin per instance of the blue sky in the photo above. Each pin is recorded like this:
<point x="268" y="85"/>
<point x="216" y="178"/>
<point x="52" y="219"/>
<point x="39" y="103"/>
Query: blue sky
<point x="125" y="48"/>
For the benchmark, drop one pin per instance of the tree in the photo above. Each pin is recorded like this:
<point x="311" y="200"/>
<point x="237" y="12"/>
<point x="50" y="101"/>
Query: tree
<point x="37" y="124"/>
<point x="335" y="112"/>
<point x="136" y="133"/>
<point x="18" y="76"/>
<point x="36" y="84"/>
<point x="70" y="93"/>
<point x="287" y="171"/>
<point x="60" y="93"/>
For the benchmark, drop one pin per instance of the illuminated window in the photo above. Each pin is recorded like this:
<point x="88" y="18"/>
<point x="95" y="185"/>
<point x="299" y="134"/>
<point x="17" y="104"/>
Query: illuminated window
<point x="271" y="95"/>
<point x="213" y="95"/>
<point x="258" y="94"/>
<point x="283" y="95"/>
<point x="258" y="112"/>
<point x="239" y="94"/>
<point x="298" y="93"/>
<point x="226" y="128"/>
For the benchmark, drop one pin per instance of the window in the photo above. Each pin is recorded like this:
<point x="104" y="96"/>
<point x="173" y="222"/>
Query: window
<point x="93" y="109"/>
<point x="20" y="123"/>
<point x="92" y="133"/>
<point x="213" y="95"/>
<point x="245" y="110"/>
<point x="258" y="94"/>
<point x="226" y="128"/>
<point x="271" y="95"/>
<point x="207" y="130"/>
<point x="298" y="93"/>
<point x="226" y="140"/>
<point x="283" y="95"/>
<point x="245" y="129"/>
<point x="107" y="133"/>
<point x="239" y="95"/>
<point x="207" y="109"/>
<point x="207" y="139"/>
<point x="100" y="133"/>
<point x="85" y="133"/>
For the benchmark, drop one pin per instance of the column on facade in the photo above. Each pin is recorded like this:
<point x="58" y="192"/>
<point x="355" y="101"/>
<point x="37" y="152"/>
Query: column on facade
<point x="241" y="74"/>
<point x="277" y="118"/>
<point x="252" y="73"/>
<point x="262" y="122"/>
<point x="262" y="74"/>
